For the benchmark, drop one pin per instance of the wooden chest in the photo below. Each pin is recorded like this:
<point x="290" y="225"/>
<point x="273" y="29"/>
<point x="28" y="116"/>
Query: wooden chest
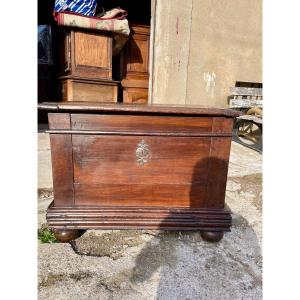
<point x="147" y="167"/>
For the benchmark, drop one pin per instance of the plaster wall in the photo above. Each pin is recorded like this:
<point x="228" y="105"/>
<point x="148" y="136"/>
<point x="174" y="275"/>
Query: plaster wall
<point x="201" y="48"/>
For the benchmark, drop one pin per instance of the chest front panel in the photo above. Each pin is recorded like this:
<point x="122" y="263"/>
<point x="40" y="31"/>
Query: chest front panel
<point x="140" y="170"/>
<point x="143" y="160"/>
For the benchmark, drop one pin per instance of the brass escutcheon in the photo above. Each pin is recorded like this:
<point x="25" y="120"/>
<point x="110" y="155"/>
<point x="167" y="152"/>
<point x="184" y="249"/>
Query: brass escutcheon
<point x="142" y="153"/>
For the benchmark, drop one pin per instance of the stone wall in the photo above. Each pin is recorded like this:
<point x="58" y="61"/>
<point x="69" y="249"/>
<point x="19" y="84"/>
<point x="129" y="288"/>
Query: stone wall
<point x="201" y="48"/>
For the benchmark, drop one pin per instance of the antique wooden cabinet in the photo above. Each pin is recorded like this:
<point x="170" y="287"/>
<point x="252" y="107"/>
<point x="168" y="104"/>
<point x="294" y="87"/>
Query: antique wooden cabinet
<point x="86" y="66"/>
<point x="138" y="167"/>
<point x="135" y="66"/>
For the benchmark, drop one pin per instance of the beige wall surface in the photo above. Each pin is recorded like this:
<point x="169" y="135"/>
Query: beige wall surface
<point x="45" y="180"/>
<point x="201" y="48"/>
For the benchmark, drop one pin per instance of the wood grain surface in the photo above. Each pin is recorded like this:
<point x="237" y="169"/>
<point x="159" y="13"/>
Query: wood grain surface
<point x="132" y="123"/>
<point x="106" y="168"/>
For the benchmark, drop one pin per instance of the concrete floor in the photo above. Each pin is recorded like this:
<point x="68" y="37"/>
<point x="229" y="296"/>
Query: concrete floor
<point x="162" y="265"/>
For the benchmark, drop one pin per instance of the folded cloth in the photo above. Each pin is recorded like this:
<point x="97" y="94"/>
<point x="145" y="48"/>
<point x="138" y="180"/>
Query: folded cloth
<point x="113" y="21"/>
<point x="83" y="7"/>
<point x="115" y="13"/>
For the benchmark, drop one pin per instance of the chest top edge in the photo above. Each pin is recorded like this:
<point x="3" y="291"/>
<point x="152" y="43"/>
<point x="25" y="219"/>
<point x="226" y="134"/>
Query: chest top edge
<point x="120" y="108"/>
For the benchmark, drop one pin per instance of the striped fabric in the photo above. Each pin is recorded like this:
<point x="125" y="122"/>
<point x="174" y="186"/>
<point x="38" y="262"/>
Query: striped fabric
<point x="83" y="7"/>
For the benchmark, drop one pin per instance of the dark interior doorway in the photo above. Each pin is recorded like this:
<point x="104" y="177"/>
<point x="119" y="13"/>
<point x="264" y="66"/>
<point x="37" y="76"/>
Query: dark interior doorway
<point x="139" y="12"/>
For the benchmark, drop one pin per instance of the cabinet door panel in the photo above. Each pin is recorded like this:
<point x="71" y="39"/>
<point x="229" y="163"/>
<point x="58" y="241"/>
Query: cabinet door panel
<point x="138" y="55"/>
<point x="92" y="50"/>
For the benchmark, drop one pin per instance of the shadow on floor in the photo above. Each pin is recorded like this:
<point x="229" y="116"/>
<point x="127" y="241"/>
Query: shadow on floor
<point x="189" y="268"/>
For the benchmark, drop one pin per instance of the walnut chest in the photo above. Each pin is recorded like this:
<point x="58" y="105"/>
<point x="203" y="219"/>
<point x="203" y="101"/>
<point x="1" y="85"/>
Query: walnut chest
<point x="118" y="166"/>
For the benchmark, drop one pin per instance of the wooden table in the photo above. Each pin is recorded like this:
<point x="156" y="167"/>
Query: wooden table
<point x="118" y="166"/>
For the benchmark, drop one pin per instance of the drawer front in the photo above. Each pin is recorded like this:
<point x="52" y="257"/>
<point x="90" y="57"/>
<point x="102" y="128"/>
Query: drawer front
<point x="142" y="124"/>
<point x="140" y="170"/>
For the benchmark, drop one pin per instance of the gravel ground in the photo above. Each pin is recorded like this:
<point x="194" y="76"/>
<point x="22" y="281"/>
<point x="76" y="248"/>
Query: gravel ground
<point x="164" y="265"/>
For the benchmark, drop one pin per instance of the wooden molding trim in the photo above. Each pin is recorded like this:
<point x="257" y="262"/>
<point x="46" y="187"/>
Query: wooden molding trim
<point x="118" y="217"/>
<point x="99" y="132"/>
<point x="138" y="109"/>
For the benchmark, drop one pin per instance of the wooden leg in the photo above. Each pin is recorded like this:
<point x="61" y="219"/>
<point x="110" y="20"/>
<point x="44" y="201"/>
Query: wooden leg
<point x="66" y="235"/>
<point x="212" y="236"/>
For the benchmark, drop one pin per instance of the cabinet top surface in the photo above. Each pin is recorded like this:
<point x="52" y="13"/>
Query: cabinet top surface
<point x="120" y="108"/>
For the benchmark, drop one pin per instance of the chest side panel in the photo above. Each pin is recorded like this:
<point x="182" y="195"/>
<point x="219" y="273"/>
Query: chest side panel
<point x="62" y="160"/>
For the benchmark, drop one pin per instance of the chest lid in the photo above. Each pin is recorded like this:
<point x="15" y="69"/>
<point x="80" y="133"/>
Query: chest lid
<point x="122" y="108"/>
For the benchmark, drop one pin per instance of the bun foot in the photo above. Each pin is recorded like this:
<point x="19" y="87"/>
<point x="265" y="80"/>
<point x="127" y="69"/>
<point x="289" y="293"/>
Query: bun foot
<point x="212" y="236"/>
<point x="66" y="235"/>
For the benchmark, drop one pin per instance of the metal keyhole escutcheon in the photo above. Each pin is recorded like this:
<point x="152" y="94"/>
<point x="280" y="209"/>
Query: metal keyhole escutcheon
<point x="142" y="153"/>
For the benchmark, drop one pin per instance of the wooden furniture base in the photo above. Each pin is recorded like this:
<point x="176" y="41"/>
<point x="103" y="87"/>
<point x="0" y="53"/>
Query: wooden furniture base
<point x="135" y="91"/>
<point x="89" y="90"/>
<point x="91" y="217"/>
<point x="139" y="167"/>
